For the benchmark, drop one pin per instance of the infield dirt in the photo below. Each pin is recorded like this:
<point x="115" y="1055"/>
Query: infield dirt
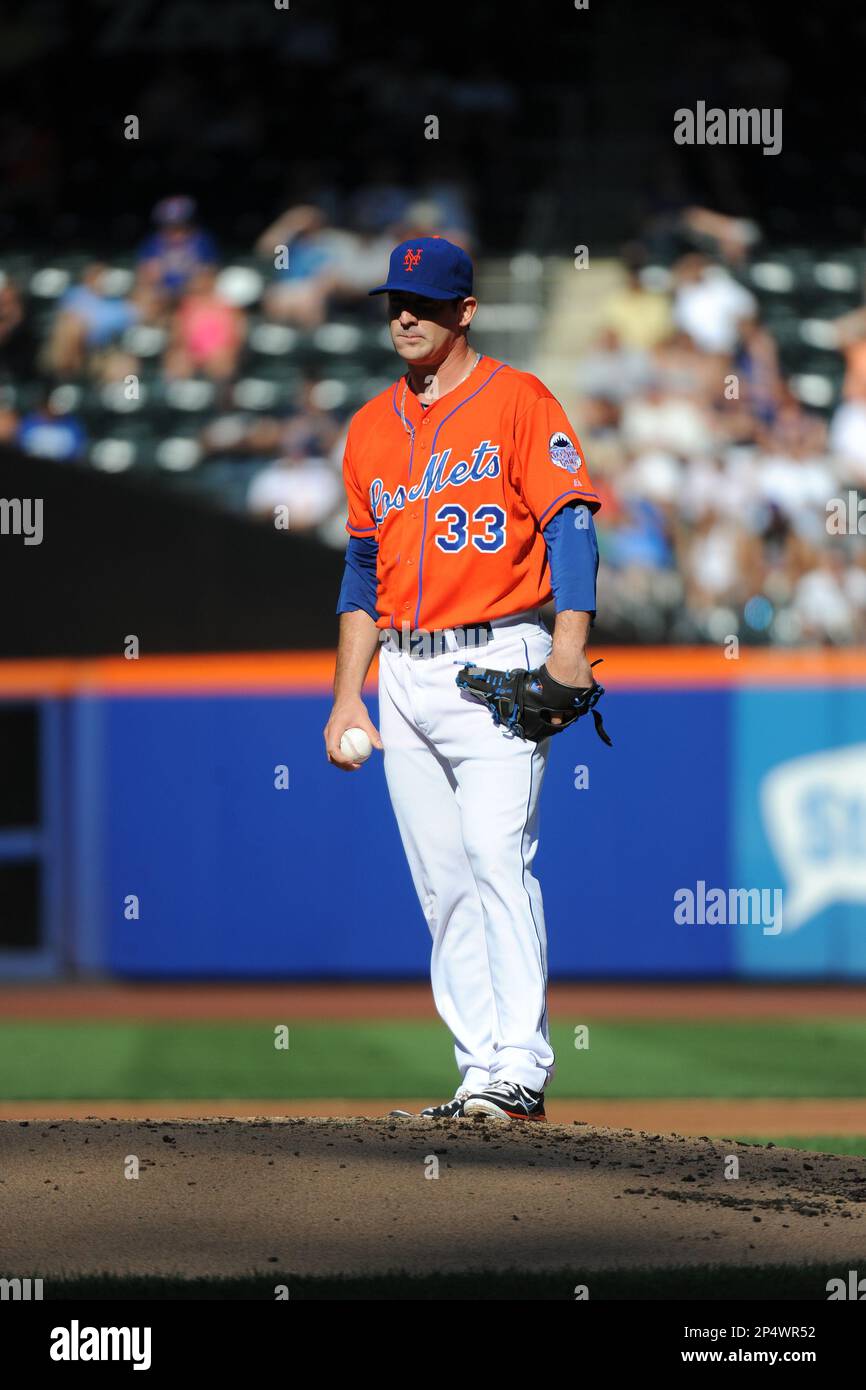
<point x="343" y="1196"/>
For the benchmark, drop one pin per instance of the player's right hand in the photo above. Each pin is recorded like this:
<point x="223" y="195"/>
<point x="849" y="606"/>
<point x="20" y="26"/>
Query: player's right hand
<point x="348" y="714"/>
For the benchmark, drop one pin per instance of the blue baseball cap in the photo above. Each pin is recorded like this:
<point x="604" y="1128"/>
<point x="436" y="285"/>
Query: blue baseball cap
<point x="431" y="266"/>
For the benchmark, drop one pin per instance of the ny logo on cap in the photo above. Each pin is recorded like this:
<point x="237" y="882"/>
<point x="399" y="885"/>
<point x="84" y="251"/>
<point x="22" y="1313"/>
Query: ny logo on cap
<point x="412" y="258"/>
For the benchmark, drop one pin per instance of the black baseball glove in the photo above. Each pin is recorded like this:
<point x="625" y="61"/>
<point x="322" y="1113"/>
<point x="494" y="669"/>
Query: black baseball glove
<point x="526" y="701"/>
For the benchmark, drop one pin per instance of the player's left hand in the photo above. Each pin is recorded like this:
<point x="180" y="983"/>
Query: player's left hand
<point x="576" y="672"/>
<point x="532" y="704"/>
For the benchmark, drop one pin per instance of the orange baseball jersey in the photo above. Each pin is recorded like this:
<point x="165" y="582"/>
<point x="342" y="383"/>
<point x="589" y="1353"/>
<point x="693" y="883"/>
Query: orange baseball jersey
<point x="456" y="494"/>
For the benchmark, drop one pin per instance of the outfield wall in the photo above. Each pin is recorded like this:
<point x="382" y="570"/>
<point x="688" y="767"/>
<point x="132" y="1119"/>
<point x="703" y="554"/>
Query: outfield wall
<point x="156" y="795"/>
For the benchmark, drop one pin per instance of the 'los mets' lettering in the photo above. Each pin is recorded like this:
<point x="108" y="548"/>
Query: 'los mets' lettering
<point x="483" y="462"/>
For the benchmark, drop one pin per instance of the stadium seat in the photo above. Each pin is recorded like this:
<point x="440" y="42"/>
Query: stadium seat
<point x="338" y="338"/>
<point x="330" y="393"/>
<point x="277" y="383"/>
<point x="839" y="277"/>
<point x="67" y="397"/>
<point x="819" y="333"/>
<point x="178" y="454"/>
<point x="815" y="390"/>
<point x="772" y="277"/>
<point x="240" y="285"/>
<point x="119" y="443"/>
<point x="113" y="455"/>
<point x="118" y="281"/>
<point x="192" y="396"/>
<point x="114" y="397"/>
<point x="50" y="282"/>
<point x="271" y="339"/>
<point x="145" y="340"/>
<point x="257" y="393"/>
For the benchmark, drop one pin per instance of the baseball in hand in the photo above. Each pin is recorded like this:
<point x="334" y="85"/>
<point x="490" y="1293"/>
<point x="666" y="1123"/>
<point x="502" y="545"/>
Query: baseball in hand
<point x="355" y="744"/>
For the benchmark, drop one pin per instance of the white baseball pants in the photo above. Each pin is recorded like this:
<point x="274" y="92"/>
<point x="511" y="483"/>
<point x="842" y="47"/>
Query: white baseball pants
<point x="466" y="796"/>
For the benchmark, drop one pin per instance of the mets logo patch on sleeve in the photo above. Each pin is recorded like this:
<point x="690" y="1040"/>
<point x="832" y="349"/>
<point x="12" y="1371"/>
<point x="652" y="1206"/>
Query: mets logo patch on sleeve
<point x="563" y="453"/>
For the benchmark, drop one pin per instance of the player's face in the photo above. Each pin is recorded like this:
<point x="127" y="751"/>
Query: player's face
<point x="424" y="330"/>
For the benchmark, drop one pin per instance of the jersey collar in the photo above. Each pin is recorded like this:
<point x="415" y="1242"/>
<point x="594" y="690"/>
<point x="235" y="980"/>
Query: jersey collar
<point x="415" y="412"/>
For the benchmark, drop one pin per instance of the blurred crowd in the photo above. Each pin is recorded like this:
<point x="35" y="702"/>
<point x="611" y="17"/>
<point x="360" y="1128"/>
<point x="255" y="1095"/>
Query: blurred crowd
<point x="715" y="478"/>
<point x="316" y="260"/>
<point x="311" y="265"/>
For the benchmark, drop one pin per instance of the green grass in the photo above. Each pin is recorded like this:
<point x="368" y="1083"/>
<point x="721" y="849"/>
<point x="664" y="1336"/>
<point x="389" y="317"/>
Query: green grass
<point x="819" y="1143"/>
<point x="707" y="1283"/>
<point x="153" y="1060"/>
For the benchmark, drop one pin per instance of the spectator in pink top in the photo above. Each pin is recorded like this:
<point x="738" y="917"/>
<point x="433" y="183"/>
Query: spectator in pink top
<point x="207" y="333"/>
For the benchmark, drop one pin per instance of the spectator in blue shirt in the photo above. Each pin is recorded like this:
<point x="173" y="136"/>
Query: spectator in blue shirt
<point x="48" y="433"/>
<point x="87" y="321"/>
<point x="172" y="254"/>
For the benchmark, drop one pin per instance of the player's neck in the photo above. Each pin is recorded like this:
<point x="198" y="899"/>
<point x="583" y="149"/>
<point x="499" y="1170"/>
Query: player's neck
<point x="433" y="384"/>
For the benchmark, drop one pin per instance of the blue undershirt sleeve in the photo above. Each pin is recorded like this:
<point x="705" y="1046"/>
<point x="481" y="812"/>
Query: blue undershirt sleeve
<point x="358" y="589"/>
<point x="572" y="553"/>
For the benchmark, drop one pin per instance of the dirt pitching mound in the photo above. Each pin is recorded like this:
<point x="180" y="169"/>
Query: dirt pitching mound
<point x="343" y="1196"/>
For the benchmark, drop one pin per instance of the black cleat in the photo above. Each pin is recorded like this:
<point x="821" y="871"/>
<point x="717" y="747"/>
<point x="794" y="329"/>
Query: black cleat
<point x="450" y="1110"/>
<point x="505" y="1100"/>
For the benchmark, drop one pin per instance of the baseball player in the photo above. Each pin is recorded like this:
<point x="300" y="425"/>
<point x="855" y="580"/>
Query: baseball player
<point x="469" y="504"/>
